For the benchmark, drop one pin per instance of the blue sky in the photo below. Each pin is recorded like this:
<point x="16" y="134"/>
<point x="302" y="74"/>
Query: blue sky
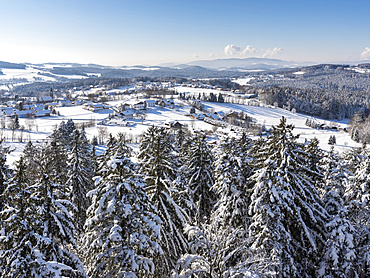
<point x="119" y="32"/>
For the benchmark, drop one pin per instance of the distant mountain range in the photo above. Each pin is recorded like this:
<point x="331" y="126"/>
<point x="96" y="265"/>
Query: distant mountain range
<point x="7" y="65"/>
<point x="244" y="64"/>
<point x="15" y="73"/>
<point x="232" y="64"/>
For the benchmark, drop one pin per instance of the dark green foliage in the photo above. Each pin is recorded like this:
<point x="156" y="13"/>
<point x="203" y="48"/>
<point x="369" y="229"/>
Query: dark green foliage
<point x="332" y="140"/>
<point x="197" y="196"/>
<point x="54" y="161"/>
<point x="232" y="172"/>
<point x="94" y="141"/>
<point x="80" y="174"/>
<point x="357" y="198"/>
<point x="158" y="164"/>
<point x="32" y="155"/>
<point x="4" y="171"/>
<point x="288" y="219"/>
<point x="38" y="230"/>
<point x="122" y="228"/>
<point x="339" y="256"/>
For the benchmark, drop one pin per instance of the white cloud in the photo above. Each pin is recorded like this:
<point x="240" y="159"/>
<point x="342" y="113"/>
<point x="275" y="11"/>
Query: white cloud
<point x="272" y="52"/>
<point x="211" y="55"/>
<point x="366" y="53"/>
<point x="232" y="49"/>
<point x="235" y="50"/>
<point x="249" y="50"/>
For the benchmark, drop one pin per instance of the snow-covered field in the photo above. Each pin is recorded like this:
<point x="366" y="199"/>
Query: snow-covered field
<point x="31" y="74"/>
<point x="243" y="81"/>
<point x="160" y="116"/>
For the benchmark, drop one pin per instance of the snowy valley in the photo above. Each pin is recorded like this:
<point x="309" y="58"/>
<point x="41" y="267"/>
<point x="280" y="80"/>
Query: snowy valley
<point x="180" y="177"/>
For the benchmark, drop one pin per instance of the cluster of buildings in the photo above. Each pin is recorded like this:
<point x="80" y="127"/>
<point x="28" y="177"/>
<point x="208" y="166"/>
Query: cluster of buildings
<point x="39" y="107"/>
<point x="30" y="111"/>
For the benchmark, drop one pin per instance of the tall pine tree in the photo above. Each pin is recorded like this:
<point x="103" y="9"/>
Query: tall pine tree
<point x="198" y="180"/>
<point x="80" y="175"/>
<point x="288" y="218"/>
<point x="232" y="171"/>
<point x="339" y="254"/>
<point x="158" y="164"/>
<point x="122" y="229"/>
<point x="39" y="231"/>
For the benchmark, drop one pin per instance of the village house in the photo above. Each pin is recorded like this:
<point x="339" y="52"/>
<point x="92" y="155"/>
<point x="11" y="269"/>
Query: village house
<point x="127" y="114"/>
<point x="214" y="116"/>
<point x="200" y="116"/>
<point x="42" y="113"/>
<point x="221" y="114"/>
<point x="125" y="106"/>
<point x="150" y="102"/>
<point x="24" y="113"/>
<point x="65" y="103"/>
<point x="118" y="122"/>
<point x="175" y="125"/>
<point x="167" y="103"/>
<point x="233" y="115"/>
<point x="139" y="105"/>
<point x="7" y="111"/>
<point x="51" y="105"/>
<point x="45" y="99"/>
<point x="94" y="107"/>
<point x="33" y="106"/>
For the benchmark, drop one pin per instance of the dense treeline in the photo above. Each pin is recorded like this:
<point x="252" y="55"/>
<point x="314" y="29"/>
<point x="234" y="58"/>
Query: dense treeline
<point x="334" y="78"/>
<point x="326" y="91"/>
<point x="36" y="88"/>
<point x="317" y="102"/>
<point x="181" y="207"/>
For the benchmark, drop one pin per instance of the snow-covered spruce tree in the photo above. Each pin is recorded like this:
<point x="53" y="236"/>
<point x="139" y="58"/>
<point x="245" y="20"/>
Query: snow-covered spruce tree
<point x="198" y="180"/>
<point x="212" y="248"/>
<point x="38" y="231"/>
<point x="54" y="162"/>
<point x="337" y="170"/>
<point x="179" y="138"/>
<point x="353" y="158"/>
<point x="56" y="224"/>
<point x="158" y="164"/>
<point x="232" y="171"/>
<point x="32" y="158"/>
<point x="4" y="171"/>
<point x="357" y="198"/>
<point x="16" y="231"/>
<point x="80" y="176"/>
<point x="332" y="140"/>
<point x="314" y="155"/>
<point x="122" y="230"/>
<point x="94" y="158"/>
<point x="359" y="190"/>
<point x="339" y="254"/>
<point x="288" y="218"/>
<point x="182" y="195"/>
<point x="103" y="159"/>
<point x="63" y="133"/>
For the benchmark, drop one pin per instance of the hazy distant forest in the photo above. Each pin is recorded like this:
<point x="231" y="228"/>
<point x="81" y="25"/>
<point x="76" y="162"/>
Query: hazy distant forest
<point x="181" y="207"/>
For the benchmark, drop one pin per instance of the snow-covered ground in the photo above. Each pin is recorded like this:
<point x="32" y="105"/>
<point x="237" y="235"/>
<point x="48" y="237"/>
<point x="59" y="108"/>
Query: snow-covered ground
<point x="243" y="81"/>
<point x="31" y="74"/>
<point x="271" y="116"/>
<point x="160" y="116"/>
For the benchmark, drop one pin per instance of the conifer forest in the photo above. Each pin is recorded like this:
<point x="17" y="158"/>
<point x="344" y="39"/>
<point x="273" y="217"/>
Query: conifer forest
<point x="180" y="206"/>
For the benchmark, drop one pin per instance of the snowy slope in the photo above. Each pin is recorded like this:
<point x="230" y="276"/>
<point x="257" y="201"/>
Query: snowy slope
<point x="267" y="116"/>
<point x="271" y="116"/>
